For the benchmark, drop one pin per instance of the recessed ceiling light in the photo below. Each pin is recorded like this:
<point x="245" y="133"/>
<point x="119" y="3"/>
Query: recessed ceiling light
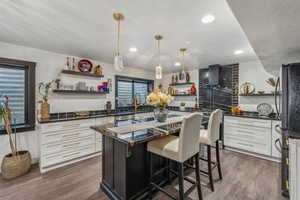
<point x="238" y="52"/>
<point x="208" y="19"/>
<point x="133" y="49"/>
<point x="177" y="64"/>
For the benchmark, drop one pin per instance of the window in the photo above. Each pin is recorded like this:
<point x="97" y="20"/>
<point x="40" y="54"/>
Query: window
<point x="129" y="88"/>
<point x="17" y="81"/>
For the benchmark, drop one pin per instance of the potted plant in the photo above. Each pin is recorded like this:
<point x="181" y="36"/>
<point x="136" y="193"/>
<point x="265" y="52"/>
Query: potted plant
<point x="160" y="101"/>
<point x="17" y="162"/>
<point x="44" y="88"/>
<point x="182" y="106"/>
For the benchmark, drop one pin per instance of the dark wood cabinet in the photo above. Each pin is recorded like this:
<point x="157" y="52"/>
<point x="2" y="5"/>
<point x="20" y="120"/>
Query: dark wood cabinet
<point x="223" y="93"/>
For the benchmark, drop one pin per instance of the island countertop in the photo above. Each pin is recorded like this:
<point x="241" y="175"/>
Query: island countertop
<point x="137" y="130"/>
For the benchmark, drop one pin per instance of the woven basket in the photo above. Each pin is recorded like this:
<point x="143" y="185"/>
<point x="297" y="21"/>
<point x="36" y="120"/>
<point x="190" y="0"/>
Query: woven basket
<point x="14" y="166"/>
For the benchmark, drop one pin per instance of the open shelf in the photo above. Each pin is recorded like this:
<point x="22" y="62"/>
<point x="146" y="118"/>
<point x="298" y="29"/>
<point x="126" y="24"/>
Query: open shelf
<point x="176" y="84"/>
<point x="257" y="95"/>
<point x="88" y="74"/>
<point x="78" y="92"/>
<point x="184" y="95"/>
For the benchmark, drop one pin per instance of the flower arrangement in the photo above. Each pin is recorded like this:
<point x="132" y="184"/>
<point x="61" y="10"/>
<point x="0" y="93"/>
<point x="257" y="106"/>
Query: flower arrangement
<point x="159" y="99"/>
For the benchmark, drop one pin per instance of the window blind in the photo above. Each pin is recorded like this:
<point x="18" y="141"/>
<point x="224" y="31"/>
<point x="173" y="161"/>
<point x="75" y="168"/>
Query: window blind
<point x="124" y="93"/>
<point x="130" y="88"/>
<point x="141" y="92"/>
<point x="12" y="84"/>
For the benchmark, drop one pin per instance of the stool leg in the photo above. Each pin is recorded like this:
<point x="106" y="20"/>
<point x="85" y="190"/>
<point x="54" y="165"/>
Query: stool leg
<point x="168" y="171"/>
<point x="150" y="195"/>
<point x="209" y="168"/>
<point x="180" y="181"/>
<point x="197" y="171"/>
<point x="218" y="159"/>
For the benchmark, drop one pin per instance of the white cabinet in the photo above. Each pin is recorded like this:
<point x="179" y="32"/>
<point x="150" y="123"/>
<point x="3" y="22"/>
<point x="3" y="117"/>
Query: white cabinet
<point x="276" y="139"/>
<point x="63" y="143"/>
<point x="251" y="135"/>
<point x="294" y="169"/>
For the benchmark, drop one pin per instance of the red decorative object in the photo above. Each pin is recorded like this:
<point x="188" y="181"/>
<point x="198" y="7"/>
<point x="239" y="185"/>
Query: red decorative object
<point x="85" y="65"/>
<point x="193" y="89"/>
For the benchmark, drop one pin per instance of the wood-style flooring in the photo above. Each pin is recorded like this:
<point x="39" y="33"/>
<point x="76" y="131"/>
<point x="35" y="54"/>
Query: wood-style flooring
<point x="244" y="178"/>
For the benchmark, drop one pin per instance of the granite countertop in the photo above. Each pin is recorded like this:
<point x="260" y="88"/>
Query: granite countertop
<point x="70" y="116"/>
<point x="292" y="134"/>
<point x="134" y="131"/>
<point x="253" y="115"/>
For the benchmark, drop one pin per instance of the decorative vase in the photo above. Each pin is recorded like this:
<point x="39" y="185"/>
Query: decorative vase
<point x="193" y="89"/>
<point x="182" y="108"/>
<point x="45" y="111"/>
<point x="14" y="166"/>
<point x="160" y="114"/>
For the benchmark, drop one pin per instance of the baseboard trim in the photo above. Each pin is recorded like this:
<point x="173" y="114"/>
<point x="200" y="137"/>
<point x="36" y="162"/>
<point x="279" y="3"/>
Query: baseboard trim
<point x="253" y="154"/>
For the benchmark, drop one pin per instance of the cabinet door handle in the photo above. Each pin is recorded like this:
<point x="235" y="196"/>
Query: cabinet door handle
<point x="68" y="135"/>
<point x="70" y="125"/>
<point x="278" y="145"/>
<point x="70" y="145"/>
<point x="71" y="154"/>
<point x="242" y="131"/>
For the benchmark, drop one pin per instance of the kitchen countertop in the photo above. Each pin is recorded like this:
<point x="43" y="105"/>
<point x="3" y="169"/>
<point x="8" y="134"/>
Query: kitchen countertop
<point x="70" y="116"/>
<point x="134" y="131"/>
<point x="253" y="115"/>
<point x="292" y="134"/>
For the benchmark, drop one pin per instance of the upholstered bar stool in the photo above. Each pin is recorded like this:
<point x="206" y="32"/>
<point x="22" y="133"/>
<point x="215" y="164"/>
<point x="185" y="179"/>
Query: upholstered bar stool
<point x="180" y="149"/>
<point x="209" y="137"/>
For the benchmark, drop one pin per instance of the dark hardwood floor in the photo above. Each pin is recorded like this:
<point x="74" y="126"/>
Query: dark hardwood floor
<point x="245" y="178"/>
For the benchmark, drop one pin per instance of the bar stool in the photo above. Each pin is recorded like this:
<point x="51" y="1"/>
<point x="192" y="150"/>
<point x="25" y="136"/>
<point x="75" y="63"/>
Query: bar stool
<point x="179" y="149"/>
<point x="209" y="137"/>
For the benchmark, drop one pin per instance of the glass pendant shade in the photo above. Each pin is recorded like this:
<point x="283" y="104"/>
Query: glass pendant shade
<point x="118" y="63"/>
<point x="158" y="72"/>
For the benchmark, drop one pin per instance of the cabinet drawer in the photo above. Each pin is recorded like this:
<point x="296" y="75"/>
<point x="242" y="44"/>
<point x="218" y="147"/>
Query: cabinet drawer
<point x="56" y="148"/>
<point x="254" y="132"/>
<point x="260" y="148"/>
<point x="248" y="122"/>
<point x="62" y="136"/>
<point x="59" y="126"/>
<point x="263" y="139"/>
<point x="66" y="156"/>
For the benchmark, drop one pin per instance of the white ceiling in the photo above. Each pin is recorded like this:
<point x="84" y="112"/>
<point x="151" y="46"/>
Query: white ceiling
<point x="273" y="28"/>
<point x="86" y="29"/>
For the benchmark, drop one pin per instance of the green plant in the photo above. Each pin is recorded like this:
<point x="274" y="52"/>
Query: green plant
<point x="5" y="115"/>
<point x="44" y="88"/>
<point x="182" y="104"/>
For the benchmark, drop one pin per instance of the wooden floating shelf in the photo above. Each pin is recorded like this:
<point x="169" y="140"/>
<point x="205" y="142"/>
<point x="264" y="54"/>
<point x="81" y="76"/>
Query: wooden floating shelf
<point x="257" y="95"/>
<point x="81" y="73"/>
<point x="184" y="95"/>
<point x="78" y="92"/>
<point x="176" y="84"/>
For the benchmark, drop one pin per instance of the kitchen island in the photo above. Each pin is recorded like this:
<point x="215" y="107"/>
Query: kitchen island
<point x="125" y="163"/>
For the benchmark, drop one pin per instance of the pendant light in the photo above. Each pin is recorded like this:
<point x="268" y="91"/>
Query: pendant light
<point x="118" y="61"/>
<point x="158" y="68"/>
<point x="182" y="74"/>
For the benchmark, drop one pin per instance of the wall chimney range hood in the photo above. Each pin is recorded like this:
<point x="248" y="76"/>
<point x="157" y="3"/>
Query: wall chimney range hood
<point x="214" y="75"/>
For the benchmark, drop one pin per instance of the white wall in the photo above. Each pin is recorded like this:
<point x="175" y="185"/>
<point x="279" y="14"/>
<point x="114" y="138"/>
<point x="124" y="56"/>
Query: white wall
<point x="255" y="73"/>
<point x="48" y="66"/>
<point x="167" y="79"/>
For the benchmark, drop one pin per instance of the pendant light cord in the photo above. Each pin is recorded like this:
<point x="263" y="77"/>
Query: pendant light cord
<point x="183" y="66"/>
<point x="118" y="39"/>
<point x="158" y="44"/>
